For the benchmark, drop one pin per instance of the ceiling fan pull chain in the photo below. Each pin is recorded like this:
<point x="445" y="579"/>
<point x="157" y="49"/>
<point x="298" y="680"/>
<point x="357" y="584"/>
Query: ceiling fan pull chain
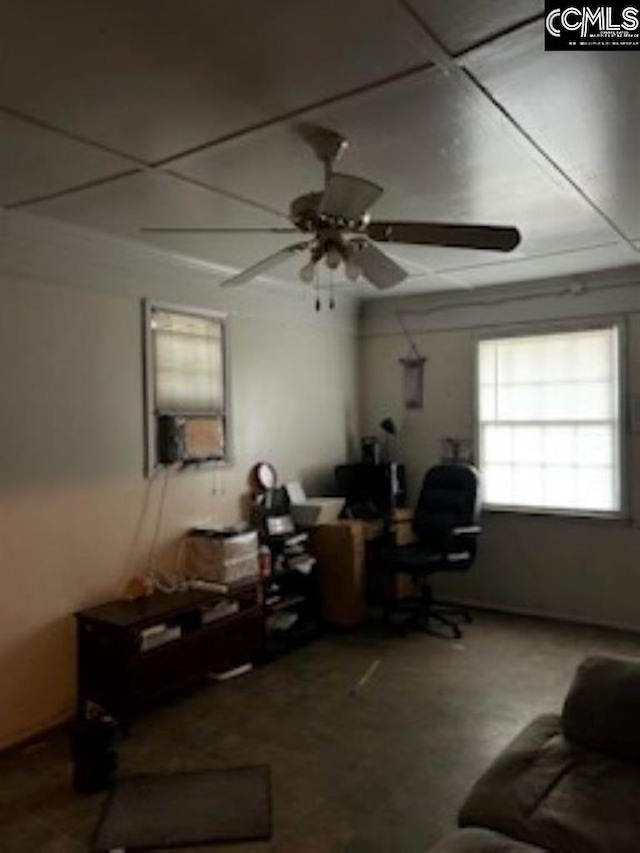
<point x="316" y="284"/>
<point x="332" y="301"/>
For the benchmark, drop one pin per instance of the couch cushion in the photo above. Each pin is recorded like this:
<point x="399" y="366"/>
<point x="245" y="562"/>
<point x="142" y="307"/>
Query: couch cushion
<point x="549" y="792"/>
<point x="602" y="708"/>
<point x="481" y="841"/>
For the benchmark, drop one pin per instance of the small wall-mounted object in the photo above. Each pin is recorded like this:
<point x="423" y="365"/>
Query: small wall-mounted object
<point x="189" y="439"/>
<point x="413" y="368"/>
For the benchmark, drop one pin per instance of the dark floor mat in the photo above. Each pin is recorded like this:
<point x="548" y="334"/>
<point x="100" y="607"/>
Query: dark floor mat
<point x="186" y="809"/>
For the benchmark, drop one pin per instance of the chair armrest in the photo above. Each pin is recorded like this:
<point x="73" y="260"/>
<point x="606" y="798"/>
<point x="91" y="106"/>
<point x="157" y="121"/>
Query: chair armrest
<point x="462" y="542"/>
<point x="471" y="530"/>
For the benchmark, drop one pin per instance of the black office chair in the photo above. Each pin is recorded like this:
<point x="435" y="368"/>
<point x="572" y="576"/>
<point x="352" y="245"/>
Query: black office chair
<point x="446" y="526"/>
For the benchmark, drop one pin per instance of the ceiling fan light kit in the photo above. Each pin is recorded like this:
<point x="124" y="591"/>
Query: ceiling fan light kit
<point x="307" y="272"/>
<point x="352" y="268"/>
<point x="340" y="231"/>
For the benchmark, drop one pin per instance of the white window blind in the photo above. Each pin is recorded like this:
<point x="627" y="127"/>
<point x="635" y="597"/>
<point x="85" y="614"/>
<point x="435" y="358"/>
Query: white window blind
<point x="188" y="363"/>
<point x="549" y="431"/>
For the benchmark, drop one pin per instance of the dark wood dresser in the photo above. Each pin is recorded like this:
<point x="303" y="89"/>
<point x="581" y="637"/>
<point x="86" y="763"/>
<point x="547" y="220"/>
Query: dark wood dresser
<point x="131" y="653"/>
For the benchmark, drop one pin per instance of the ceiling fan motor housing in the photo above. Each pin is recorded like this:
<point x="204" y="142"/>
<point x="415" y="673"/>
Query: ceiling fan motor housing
<point x="305" y="214"/>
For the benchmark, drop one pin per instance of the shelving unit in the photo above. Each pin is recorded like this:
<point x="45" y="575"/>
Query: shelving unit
<point x="284" y="603"/>
<point x="291" y="592"/>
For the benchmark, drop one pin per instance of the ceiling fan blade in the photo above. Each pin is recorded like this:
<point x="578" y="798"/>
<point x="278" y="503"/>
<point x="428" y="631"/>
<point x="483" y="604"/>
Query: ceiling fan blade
<point x="497" y="238"/>
<point x="348" y="197"/>
<point x="377" y="267"/>
<point x="203" y="230"/>
<point x="265" y="264"/>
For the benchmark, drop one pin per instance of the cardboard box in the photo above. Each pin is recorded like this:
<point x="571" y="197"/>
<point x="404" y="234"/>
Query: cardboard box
<point x="223" y="559"/>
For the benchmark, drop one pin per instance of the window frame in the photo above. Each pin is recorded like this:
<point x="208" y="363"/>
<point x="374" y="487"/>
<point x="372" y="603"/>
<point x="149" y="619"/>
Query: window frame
<point x="152" y="465"/>
<point x="558" y="327"/>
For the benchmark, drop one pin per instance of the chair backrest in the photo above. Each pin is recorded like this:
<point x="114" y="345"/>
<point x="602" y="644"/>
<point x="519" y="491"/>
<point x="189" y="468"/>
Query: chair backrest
<point x="450" y="497"/>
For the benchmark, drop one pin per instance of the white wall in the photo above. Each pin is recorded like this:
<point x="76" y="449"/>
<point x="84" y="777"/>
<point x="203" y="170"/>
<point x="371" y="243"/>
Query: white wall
<point x="77" y="516"/>
<point x="583" y="569"/>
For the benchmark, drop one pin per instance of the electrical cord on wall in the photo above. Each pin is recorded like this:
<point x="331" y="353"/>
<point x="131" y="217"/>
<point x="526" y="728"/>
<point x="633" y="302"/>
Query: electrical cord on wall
<point x="179" y="564"/>
<point x="160" y="581"/>
<point x="137" y="533"/>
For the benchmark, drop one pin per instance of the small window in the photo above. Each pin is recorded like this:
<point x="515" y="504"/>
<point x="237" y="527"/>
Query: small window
<point x="549" y="421"/>
<point x="186" y="386"/>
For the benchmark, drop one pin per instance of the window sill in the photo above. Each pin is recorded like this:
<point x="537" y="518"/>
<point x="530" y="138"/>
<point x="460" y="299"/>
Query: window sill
<point x="620" y="518"/>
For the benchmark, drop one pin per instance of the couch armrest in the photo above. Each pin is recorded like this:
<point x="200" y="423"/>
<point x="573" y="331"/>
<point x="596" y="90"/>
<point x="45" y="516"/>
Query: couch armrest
<point x="602" y="708"/>
<point x="507" y="793"/>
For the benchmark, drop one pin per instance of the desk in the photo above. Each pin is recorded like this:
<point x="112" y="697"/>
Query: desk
<point x="340" y="549"/>
<point x="344" y="566"/>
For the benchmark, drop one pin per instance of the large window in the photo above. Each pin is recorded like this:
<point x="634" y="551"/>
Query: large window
<point x="549" y="421"/>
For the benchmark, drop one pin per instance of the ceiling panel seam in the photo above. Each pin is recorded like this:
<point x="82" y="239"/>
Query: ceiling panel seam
<point x="76" y="188"/>
<point x="556" y="167"/>
<point x="27" y="118"/>
<point x="137" y="167"/>
<point x="450" y="66"/>
<point x="197" y="182"/>
<point x="159" y="166"/>
<point x="298" y="112"/>
<point x="497" y="36"/>
<point x="88" y="185"/>
<point x="530" y="257"/>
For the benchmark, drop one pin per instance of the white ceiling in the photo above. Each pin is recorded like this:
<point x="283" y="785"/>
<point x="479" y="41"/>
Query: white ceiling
<point x="121" y="114"/>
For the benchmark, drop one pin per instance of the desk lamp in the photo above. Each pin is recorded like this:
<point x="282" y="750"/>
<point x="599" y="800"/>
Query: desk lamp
<point x="389" y="429"/>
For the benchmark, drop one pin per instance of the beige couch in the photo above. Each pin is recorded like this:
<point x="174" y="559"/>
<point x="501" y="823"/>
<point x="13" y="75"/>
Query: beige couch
<point x="569" y="783"/>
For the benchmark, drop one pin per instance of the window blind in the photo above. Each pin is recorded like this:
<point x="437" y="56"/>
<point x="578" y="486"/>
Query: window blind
<point x="188" y="358"/>
<point x="549" y="431"/>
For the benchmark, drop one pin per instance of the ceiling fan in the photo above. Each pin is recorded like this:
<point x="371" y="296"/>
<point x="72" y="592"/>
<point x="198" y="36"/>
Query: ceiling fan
<point x="340" y="230"/>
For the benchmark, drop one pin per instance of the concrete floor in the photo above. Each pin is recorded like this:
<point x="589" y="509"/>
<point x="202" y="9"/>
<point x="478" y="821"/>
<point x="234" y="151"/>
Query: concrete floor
<point x="382" y="770"/>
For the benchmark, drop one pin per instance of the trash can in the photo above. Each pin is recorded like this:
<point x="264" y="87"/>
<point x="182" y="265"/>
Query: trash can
<point x="95" y="759"/>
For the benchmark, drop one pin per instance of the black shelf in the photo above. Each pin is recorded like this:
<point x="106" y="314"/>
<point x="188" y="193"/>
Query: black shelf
<point x="285" y="603"/>
<point x="279" y="642"/>
<point x="294" y="591"/>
